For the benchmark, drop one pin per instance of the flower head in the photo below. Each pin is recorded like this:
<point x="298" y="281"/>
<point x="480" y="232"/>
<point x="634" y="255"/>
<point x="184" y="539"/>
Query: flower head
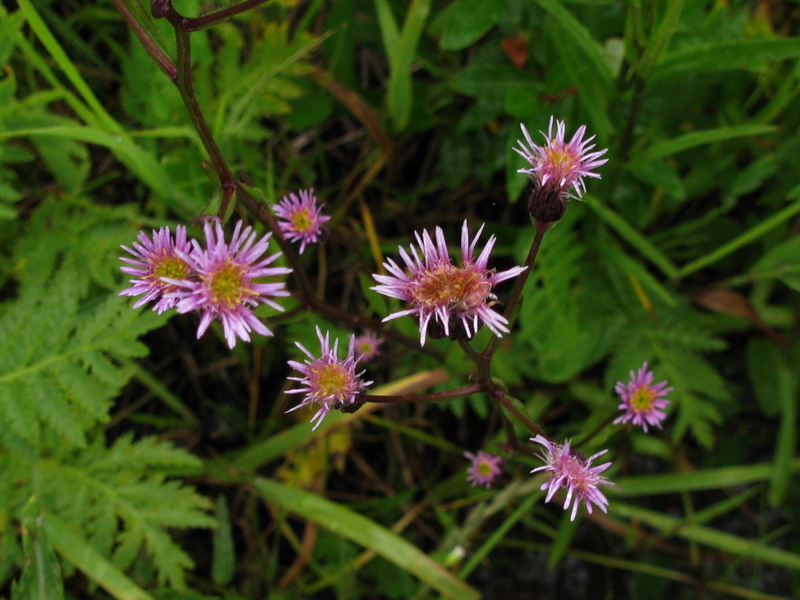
<point x="328" y="380"/>
<point x="558" y="168"/>
<point x="641" y="400"/>
<point x="301" y="219"/>
<point x="368" y="346"/>
<point x="224" y="285"/>
<point x="153" y="259"/>
<point x="484" y="469"/>
<point x="458" y="299"/>
<point x="573" y="470"/>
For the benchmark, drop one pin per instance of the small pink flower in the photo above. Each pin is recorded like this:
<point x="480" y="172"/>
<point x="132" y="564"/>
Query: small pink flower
<point x="458" y="299"/>
<point x="559" y="164"/>
<point x="368" y="346"/>
<point x="301" y="219"/>
<point x="224" y="286"/>
<point x="152" y="261"/>
<point x="484" y="469"/>
<point x="328" y="381"/>
<point x="573" y="470"/>
<point x="641" y="400"/>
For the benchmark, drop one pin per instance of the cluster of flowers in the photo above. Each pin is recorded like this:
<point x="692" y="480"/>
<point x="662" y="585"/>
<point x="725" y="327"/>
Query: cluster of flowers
<point x="642" y="404"/>
<point x="448" y="300"/>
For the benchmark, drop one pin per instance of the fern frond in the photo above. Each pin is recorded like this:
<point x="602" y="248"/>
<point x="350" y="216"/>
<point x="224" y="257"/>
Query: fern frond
<point x="50" y="382"/>
<point x="123" y="503"/>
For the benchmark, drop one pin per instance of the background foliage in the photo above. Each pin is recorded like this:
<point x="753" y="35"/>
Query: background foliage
<point x="137" y="462"/>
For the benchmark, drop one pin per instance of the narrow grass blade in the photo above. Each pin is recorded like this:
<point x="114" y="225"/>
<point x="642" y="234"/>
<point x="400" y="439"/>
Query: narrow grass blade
<point x="707" y="479"/>
<point x="737" y="546"/>
<point x="645" y="247"/>
<point x="727" y="55"/>
<point x="742" y="240"/>
<point x="361" y="530"/>
<point x="45" y="36"/>
<point x="701" y="138"/>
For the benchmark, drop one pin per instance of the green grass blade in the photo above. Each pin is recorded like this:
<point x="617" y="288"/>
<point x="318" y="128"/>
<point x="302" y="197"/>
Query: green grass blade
<point x="42" y="32"/>
<point x="400" y="92"/>
<point x="657" y="44"/>
<point x="707" y="479"/>
<point x="82" y="555"/>
<point x="497" y="536"/>
<point x="586" y="63"/>
<point x="727" y="55"/>
<point x="352" y="526"/>
<point x="645" y="247"/>
<point x="701" y="138"/>
<point x="140" y="162"/>
<point x="740" y="547"/>
<point x="747" y="237"/>
<point x="787" y="434"/>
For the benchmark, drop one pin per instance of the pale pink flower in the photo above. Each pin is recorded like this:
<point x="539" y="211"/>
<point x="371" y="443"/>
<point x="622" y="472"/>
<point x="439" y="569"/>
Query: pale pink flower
<point x="328" y="381"/>
<point x="301" y="219"/>
<point x="572" y="470"/>
<point x="368" y="346"/>
<point x="642" y="402"/>
<point x="458" y="299"/>
<point x="484" y="469"/>
<point x="560" y="164"/>
<point x="224" y="287"/>
<point x="153" y="259"/>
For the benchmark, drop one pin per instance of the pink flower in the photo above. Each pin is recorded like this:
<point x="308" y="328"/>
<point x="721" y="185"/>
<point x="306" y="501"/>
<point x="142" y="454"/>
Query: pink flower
<point x="573" y="470"/>
<point x="641" y="400"/>
<point x="327" y="380"/>
<point x="301" y="219"/>
<point x="458" y="299"/>
<point x="368" y="346"/>
<point x="224" y="286"/>
<point x="558" y="163"/>
<point x="558" y="169"/>
<point x="152" y="261"/>
<point x="484" y="469"/>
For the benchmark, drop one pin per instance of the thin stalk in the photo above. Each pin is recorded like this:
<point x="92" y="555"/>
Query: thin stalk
<point x="153" y="49"/>
<point x="516" y="293"/>
<point x="197" y="23"/>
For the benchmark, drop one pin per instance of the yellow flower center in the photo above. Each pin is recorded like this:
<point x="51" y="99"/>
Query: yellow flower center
<point x="484" y="468"/>
<point x="331" y="380"/>
<point x="560" y="158"/>
<point x="365" y="348"/>
<point x="642" y="399"/>
<point x="301" y="220"/>
<point x="170" y="266"/>
<point x="227" y="285"/>
<point x="452" y="287"/>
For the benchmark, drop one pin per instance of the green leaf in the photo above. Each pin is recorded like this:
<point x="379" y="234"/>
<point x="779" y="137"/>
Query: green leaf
<point x="491" y="80"/>
<point x="727" y="55"/>
<point x="352" y="526"/>
<point x="401" y="49"/>
<point x="224" y="558"/>
<point x="465" y="21"/>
